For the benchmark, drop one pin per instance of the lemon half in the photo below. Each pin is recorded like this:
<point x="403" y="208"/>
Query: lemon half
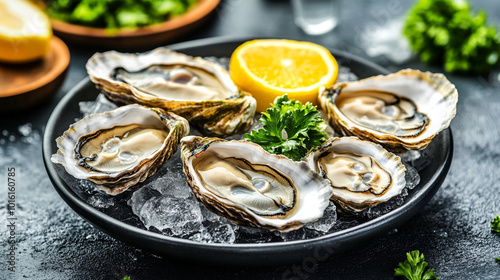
<point x="268" y="68"/>
<point x="25" y="31"/>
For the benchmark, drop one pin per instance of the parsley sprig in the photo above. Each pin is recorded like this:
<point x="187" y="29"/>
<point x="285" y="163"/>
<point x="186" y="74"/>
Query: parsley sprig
<point x="290" y="128"/>
<point x="495" y="227"/>
<point x="447" y="32"/>
<point x="415" y="267"/>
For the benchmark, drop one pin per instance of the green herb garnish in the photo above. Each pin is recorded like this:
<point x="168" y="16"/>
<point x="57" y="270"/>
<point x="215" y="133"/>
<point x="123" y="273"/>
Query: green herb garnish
<point x="290" y="128"/>
<point x="446" y="32"/>
<point x="415" y="267"/>
<point x="126" y="278"/>
<point x="114" y="14"/>
<point x="495" y="225"/>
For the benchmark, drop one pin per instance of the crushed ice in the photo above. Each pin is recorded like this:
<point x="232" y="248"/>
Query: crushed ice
<point x="100" y="105"/>
<point x="165" y="203"/>
<point x="25" y="133"/>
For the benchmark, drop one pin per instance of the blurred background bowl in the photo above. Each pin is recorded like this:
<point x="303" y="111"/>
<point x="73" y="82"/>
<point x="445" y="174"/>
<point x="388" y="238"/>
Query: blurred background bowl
<point x="29" y="84"/>
<point x="136" y="38"/>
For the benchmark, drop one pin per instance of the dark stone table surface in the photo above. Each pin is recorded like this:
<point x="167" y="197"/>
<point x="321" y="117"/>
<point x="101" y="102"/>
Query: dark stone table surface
<point x="452" y="230"/>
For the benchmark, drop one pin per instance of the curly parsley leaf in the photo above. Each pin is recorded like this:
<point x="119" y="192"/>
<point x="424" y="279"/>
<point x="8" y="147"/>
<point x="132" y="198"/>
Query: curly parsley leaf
<point x="446" y="32"/>
<point x="495" y="225"/>
<point x="289" y="128"/>
<point x="415" y="267"/>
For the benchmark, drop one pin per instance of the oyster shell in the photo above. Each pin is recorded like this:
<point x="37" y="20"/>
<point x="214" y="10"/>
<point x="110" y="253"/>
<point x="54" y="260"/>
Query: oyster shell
<point x="249" y="186"/>
<point x="194" y="88"/>
<point x="362" y="174"/>
<point x="119" y="148"/>
<point x="401" y="111"/>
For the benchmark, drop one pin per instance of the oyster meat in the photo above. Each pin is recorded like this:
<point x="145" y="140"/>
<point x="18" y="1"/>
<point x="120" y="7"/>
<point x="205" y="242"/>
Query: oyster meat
<point x="249" y="186"/>
<point x="401" y="111"/>
<point x="121" y="148"/>
<point x="362" y="174"/>
<point x="192" y="87"/>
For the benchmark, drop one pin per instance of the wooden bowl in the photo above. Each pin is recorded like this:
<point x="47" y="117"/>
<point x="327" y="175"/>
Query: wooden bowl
<point x="26" y="85"/>
<point x="136" y="38"/>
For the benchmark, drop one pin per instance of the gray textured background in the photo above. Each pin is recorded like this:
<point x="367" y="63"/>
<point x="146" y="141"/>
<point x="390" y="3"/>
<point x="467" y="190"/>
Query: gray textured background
<point x="453" y="230"/>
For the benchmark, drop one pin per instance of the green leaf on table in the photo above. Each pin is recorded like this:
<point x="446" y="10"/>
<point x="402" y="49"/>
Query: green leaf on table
<point x="414" y="267"/>
<point x="495" y="225"/>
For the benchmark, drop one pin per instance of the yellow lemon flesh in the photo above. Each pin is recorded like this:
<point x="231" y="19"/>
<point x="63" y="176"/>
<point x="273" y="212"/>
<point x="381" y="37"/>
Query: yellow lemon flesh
<point x="272" y="67"/>
<point x="25" y="31"/>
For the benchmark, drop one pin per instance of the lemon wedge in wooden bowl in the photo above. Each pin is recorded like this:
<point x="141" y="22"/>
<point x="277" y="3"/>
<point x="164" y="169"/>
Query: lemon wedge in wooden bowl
<point x="25" y="31"/>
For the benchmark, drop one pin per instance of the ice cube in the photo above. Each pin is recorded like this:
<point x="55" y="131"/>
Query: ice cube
<point x="346" y="75"/>
<point x="221" y="232"/>
<point x="100" y="105"/>
<point x="180" y="216"/>
<point x="325" y="223"/>
<point x="140" y="197"/>
<point x="202" y="236"/>
<point x="25" y="129"/>
<point x="412" y="177"/>
<point x="298" y="234"/>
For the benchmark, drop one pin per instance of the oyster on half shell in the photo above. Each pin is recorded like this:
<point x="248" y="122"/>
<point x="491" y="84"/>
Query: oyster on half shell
<point x="362" y="174"/>
<point x="192" y="87"/>
<point x="401" y="111"/>
<point x="120" y="148"/>
<point x="249" y="186"/>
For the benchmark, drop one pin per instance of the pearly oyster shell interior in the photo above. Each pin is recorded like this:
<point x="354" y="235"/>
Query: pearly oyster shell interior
<point x="192" y="87"/>
<point x="242" y="182"/>
<point x="362" y="174"/>
<point x="401" y="111"/>
<point x="118" y="149"/>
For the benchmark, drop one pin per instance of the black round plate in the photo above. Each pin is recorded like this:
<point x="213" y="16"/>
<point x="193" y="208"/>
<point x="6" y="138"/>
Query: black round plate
<point x="130" y="231"/>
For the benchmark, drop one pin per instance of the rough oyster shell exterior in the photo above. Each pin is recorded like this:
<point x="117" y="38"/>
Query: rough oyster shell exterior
<point x="117" y="182"/>
<point x="433" y="95"/>
<point x="226" y="116"/>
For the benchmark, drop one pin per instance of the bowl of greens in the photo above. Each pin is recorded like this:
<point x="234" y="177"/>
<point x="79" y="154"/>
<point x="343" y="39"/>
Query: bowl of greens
<point x="126" y="24"/>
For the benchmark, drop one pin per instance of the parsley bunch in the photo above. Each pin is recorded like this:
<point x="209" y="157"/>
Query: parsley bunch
<point x="495" y="227"/>
<point x="495" y="224"/>
<point x="445" y="31"/>
<point x="414" y="268"/>
<point x="290" y="128"/>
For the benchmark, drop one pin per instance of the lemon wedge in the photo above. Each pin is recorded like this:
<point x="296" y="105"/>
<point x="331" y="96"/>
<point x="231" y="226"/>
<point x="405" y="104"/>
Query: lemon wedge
<point x="269" y="68"/>
<point x="25" y="31"/>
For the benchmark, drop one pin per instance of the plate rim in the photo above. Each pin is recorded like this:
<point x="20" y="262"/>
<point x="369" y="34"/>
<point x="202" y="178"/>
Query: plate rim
<point x="365" y="229"/>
